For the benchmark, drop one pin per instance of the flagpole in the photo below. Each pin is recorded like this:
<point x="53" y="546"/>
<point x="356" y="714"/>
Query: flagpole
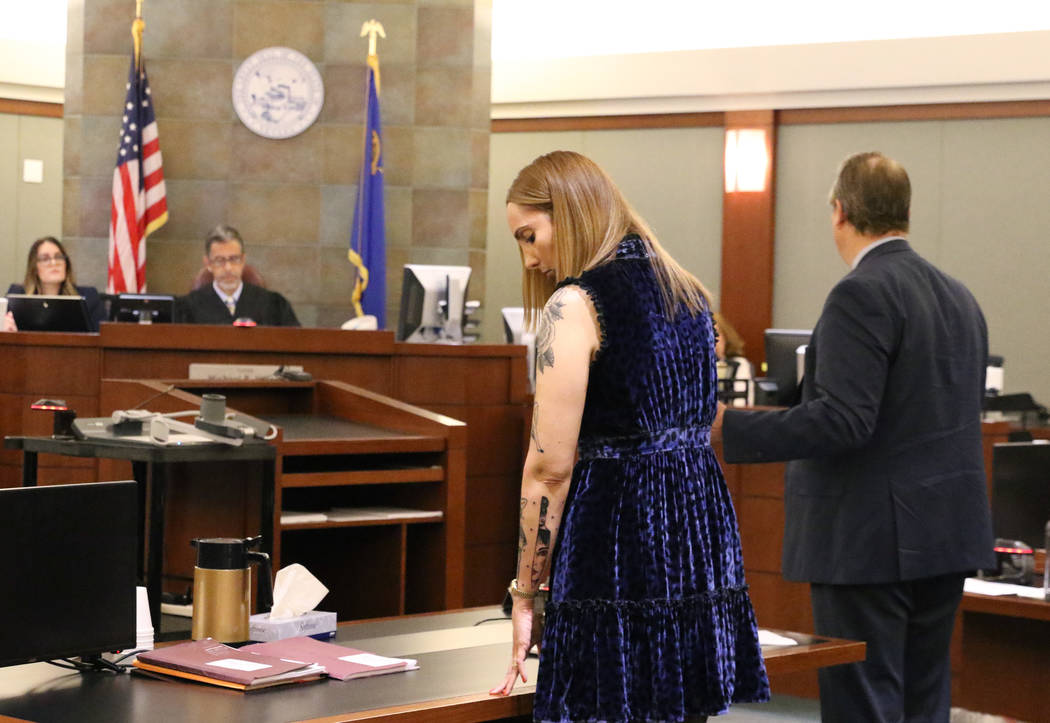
<point x="367" y="232"/>
<point x="136" y="31"/>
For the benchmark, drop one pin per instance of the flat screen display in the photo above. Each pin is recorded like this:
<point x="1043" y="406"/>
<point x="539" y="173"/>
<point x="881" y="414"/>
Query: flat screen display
<point x="782" y="361"/>
<point x="68" y="570"/>
<point x="1021" y="491"/>
<point x="41" y="312"/>
<point x="142" y="308"/>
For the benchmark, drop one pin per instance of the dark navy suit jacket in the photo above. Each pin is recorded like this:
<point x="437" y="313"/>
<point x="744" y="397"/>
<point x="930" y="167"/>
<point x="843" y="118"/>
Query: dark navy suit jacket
<point x="264" y="307"/>
<point x="96" y="310"/>
<point x="888" y="482"/>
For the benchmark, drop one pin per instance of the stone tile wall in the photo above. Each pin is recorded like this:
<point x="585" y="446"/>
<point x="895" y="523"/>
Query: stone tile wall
<point x="291" y="199"/>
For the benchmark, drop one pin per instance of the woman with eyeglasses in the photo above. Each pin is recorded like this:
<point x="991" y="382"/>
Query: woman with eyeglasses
<point x="49" y="271"/>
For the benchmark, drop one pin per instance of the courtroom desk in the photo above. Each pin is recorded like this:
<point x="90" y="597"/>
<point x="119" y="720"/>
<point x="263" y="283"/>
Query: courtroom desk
<point x="1005" y="657"/>
<point x="55" y="365"/>
<point x="460" y="659"/>
<point x="485" y="386"/>
<point x="151" y="464"/>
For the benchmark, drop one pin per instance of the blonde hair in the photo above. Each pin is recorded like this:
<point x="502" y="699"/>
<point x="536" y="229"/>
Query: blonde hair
<point x="734" y="342"/>
<point x="32" y="279"/>
<point x="590" y="217"/>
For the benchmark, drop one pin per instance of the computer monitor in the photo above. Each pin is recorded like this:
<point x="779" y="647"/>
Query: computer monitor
<point x="1021" y="491"/>
<point x="68" y="569"/>
<point x="993" y="378"/>
<point x="433" y="300"/>
<point x="142" y="308"/>
<point x="514" y="332"/>
<point x="41" y="312"/>
<point x="782" y="361"/>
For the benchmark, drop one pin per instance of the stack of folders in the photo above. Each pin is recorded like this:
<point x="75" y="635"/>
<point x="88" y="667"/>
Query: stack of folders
<point x="208" y="661"/>
<point x="340" y="662"/>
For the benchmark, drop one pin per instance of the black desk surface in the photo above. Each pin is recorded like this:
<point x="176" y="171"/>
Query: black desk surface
<point x="42" y="692"/>
<point x="460" y="658"/>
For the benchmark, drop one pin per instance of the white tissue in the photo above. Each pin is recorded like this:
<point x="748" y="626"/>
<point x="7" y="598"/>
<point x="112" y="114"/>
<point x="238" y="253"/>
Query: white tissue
<point x="295" y="591"/>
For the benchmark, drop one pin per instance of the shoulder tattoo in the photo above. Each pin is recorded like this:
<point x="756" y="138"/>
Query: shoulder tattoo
<point x="545" y="336"/>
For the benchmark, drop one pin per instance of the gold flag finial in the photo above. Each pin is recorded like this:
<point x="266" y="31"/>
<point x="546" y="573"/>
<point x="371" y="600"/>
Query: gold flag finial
<point x="371" y="28"/>
<point x="136" y="31"/>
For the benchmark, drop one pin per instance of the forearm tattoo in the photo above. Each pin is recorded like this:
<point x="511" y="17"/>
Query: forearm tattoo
<point x="521" y="528"/>
<point x="543" y="544"/>
<point x="535" y="426"/>
<point x="545" y="335"/>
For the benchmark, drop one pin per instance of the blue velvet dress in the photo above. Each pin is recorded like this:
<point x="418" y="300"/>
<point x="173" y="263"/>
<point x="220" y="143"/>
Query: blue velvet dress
<point x="649" y="617"/>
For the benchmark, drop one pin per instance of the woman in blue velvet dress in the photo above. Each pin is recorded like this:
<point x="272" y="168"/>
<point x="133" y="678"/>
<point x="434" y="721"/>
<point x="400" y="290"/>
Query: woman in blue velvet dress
<point x="623" y="505"/>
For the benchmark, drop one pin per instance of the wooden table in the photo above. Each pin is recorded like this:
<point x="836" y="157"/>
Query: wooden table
<point x="150" y="467"/>
<point x="461" y="655"/>
<point x="1004" y="656"/>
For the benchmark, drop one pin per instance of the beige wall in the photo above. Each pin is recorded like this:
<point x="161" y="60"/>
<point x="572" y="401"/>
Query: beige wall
<point x="27" y="210"/>
<point x="671" y="176"/>
<point x="291" y="199"/>
<point x="979" y="211"/>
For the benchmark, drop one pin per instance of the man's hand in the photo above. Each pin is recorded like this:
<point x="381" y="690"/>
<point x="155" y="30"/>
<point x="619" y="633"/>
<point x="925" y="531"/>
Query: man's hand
<point x="716" y="426"/>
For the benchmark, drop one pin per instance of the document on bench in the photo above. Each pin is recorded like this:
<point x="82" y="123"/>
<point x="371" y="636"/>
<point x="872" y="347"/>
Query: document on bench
<point x="341" y="662"/>
<point x="989" y="587"/>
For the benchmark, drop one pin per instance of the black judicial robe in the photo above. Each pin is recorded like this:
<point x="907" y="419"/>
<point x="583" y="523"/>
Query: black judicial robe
<point x="264" y="307"/>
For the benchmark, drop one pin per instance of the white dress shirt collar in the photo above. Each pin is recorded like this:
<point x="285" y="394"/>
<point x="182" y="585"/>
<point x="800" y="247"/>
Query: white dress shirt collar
<point x="874" y="244"/>
<point x="236" y="295"/>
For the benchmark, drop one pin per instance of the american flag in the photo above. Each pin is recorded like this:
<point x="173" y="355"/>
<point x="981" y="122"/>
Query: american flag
<point x="139" y="204"/>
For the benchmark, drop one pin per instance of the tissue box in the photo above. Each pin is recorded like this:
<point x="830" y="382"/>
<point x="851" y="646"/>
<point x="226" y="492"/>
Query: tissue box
<point x="315" y="623"/>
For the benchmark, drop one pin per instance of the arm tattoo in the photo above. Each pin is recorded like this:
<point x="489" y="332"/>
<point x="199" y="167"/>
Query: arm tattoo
<point x="545" y="335"/>
<point x="521" y="528"/>
<point x="535" y="426"/>
<point x="543" y="544"/>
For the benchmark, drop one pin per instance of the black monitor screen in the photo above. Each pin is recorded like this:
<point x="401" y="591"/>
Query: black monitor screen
<point x="40" y="312"/>
<point x="782" y="361"/>
<point x="1021" y="491"/>
<point x="142" y="308"/>
<point x="68" y="570"/>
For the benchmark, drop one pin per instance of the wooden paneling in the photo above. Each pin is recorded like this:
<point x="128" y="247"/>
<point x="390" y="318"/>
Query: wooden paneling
<point x="494" y="434"/>
<point x="761" y="521"/>
<point x="31" y="107"/>
<point x="607" y="122"/>
<point x="1006" y="670"/>
<point x="428" y="380"/>
<point x="489" y="569"/>
<point x="747" y="243"/>
<point x="492" y="513"/>
<point x="916" y="112"/>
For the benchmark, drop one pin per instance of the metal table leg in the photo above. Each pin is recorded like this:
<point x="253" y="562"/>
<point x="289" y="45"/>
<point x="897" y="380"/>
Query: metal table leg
<point x="29" y="469"/>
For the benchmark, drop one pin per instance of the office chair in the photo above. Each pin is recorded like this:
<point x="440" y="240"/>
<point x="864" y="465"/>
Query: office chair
<point x="250" y="275"/>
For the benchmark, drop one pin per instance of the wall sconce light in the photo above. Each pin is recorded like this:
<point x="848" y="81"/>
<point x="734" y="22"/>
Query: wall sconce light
<point x="746" y="160"/>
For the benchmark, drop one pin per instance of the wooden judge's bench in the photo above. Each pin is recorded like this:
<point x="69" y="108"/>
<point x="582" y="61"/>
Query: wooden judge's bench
<point x="381" y="424"/>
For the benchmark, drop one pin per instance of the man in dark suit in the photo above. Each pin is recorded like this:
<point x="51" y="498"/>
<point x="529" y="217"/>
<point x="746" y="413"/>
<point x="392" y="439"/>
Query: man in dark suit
<point x="229" y="298"/>
<point x="885" y="507"/>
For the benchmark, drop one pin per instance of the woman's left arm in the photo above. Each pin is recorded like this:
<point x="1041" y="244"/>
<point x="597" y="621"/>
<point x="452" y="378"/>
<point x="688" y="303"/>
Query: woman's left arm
<point x="566" y="341"/>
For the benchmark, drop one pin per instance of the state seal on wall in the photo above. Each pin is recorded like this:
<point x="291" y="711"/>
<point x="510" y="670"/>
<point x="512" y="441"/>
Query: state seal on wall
<point x="277" y="92"/>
